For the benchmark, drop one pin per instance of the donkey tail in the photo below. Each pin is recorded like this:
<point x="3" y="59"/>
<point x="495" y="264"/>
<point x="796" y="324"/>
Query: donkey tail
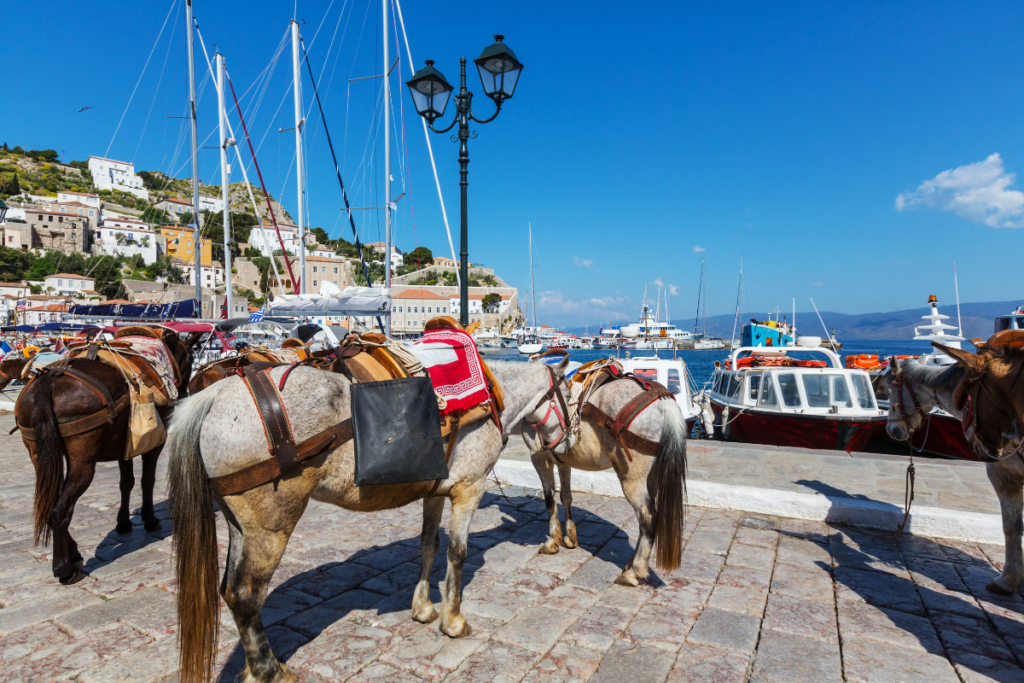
<point x="50" y="453"/>
<point x="195" y="539"/>
<point x="670" y="487"/>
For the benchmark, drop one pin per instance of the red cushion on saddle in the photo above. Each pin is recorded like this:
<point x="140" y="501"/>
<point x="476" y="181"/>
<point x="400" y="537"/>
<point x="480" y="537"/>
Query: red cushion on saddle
<point x="451" y="358"/>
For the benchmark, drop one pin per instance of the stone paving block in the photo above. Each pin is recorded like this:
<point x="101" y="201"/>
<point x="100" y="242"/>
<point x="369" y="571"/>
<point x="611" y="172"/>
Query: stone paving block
<point x="703" y="664"/>
<point x="498" y="602"/>
<point x="34" y="641"/>
<point x="282" y="604"/>
<point x="11" y="561"/>
<point x="661" y="627"/>
<point x="741" y="577"/>
<point x="801" y="581"/>
<point x="802" y="552"/>
<point x="154" y="574"/>
<point x="752" y="557"/>
<point x="950" y="601"/>
<point x="32" y="612"/>
<point x="741" y="600"/>
<point x="870" y="661"/>
<point x="390" y="582"/>
<point x="630" y="599"/>
<point x="710" y="542"/>
<point x="807" y="529"/>
<point x="38" y="589"/>
<point x="694" y="566"/>
<point x="564" y="563"/>
<point x="78" y="622"/>
<point x="875" y="588"/>
<point x="1006" y="616"/>
<point x="395" y="613"/>
<point x="288" y="573"/>
<point x="634" y="663"/>
<point x="63" y="658"/>
<point x="377" y="673"/>
<point x="885" y="560"/>
<point x="596" y="575"/>
<point x="940" y="574"/>
<point x="861" y="621"/>
<point x="430" y="654"/>
<point x="597" y="629"/>
<point x="684" y="598"/>
<point x="535" y="628"/>
<point x="591" y="535"/>
<point x="758" y="538"/>
<point x="569" y="599"/>
<point x="27" y="572"/>
<point x="143" y="665"/>
<point x="919" y="547"/>
<point x="128" y="561"/>
<point x="962" y="635"/>
<point x="497" y="662"/>
<point x="342" y="650"/>
<point x="565" y="664"/>
<point x="786" y="658"/>
<point x="726" y="630"/>
<point x="323" y="615"/>
<point x="963" y="552"/>
<point x="807" y="618"/>
<point x="336" y="580"/>
<point x="535" y="580"/>
<point x="977" y="669"/>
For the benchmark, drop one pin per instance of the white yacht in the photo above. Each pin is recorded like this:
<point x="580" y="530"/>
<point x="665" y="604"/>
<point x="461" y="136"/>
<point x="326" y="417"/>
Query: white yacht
<point x="650" y="333"/>
<point x="672" y="374"/>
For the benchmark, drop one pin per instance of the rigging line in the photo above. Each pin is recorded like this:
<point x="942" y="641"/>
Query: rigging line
<point x="330" y="48"/>
<point x="330" y="81"/>
<point x="341" y="183"/>
<point x="352" y="70"/>
<point x="407" y="172"/>
<point x="152" y="50"/>
<point x="430" y="149"/>
<point x="170" y="43"/>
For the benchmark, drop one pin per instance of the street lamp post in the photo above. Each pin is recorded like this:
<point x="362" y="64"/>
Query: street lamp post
<point x="499" y="72"/>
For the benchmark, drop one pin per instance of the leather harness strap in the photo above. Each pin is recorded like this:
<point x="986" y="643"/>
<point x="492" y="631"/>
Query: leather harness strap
<point x="269" y="470"/>
<point x="627" y="438"/>
<point x="80" y="425"/>
<point x="280" y="442"/>
<point x="619" y="426"/>
<point x="58" y="369"/>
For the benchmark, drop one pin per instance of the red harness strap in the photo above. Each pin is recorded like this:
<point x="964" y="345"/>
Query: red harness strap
<point x="628" y="413"/>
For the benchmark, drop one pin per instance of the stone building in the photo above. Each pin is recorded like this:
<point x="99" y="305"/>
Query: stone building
<point x="54" y="230"/>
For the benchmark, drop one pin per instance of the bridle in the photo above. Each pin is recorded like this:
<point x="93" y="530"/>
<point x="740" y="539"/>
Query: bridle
<point x="969" y="421"/>
<point x="916" y="405"/>
<point x="558" y="407"/>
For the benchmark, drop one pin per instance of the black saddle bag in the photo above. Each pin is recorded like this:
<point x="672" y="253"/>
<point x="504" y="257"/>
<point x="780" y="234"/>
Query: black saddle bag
<point x="397" y="429"/>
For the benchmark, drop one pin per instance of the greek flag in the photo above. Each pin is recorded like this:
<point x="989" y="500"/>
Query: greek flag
<point x="257" y="317"/>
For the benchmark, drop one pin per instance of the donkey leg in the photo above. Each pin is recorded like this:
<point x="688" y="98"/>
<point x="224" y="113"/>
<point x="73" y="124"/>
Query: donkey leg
<point x="149" y="518"/>
<point x="564" y="478"/>
<point x="634" y="487"/>
<point x="1007" y="480"/>
<point x="124" y="514"/>
<point x="253" y="555"/>
<point x="546" y="472"/>
<point x="422" y="607"/>
<point x="465" y="500"/>
<point x="67" y="561"/>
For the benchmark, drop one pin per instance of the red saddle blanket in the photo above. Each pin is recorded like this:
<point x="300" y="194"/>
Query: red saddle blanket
<point x="451" y="358"/>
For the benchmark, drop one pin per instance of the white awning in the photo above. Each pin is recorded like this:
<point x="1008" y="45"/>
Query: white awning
<point x="333" y="301"/>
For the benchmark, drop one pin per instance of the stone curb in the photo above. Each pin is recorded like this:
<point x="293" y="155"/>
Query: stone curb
<point x="959" y="525"/>
<point x="6" y="406"/>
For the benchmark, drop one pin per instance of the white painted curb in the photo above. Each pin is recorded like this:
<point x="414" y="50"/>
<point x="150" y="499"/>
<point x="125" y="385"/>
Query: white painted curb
<point x="936" y="522"/>
<point x="6" y="406"/>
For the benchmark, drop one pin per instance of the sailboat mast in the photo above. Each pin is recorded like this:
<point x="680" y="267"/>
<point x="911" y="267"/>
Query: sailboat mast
<point x="700" y="293"/>
<point x="300" y="171"/>
<point x="533" y="287"/>
<point x="195" y="154"/>
<point x="387" y="165"/>
<point x="739" y="298"/>
<point x="224" y="180"/>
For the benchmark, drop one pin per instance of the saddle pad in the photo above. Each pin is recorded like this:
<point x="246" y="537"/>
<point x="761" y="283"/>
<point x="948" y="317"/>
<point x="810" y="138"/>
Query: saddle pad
<point x="287" y="355"/>
<point x="397" y="432"/>
<point x="455" y="368"/>
<point x="155" y="351"/>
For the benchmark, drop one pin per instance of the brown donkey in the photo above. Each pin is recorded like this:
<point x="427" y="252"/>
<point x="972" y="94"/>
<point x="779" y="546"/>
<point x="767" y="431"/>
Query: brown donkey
<point x="50" y="401"/>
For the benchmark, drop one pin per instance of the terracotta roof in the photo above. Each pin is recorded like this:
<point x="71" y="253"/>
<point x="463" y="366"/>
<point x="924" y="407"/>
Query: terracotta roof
<point x="80" y="194"/>
<point x="126" y="163"/>
<point x="175" y="200"/>
<point x="69" y="276"/>
<point x="322" y="259"/>
<point x="418" y="294"/>
<point x="84" y="206"/>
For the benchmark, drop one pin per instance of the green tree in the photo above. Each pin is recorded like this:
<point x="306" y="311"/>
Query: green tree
<point x="14" y="263"/>
<point x="9" y="184"/>
<point x="420" y="256"/>
<point x="185" y="218"/>
<point x="491" y="302"/>
<point x="153" y="215"/>
<point x="44" y="154"/>
<point x="321" y="235"/>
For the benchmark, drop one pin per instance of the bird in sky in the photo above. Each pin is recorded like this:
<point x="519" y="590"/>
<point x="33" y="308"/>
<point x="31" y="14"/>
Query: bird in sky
<point x="83" y="109"/>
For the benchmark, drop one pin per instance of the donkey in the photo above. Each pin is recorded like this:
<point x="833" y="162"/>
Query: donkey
<point x="203" y="443"/>
<point x="915" y="389"/>
<point x="654" y="486"/>
<point x="48" y="401"/>
<point x="11" y="368"/>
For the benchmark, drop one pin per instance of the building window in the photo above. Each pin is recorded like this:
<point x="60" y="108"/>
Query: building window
<point x="429" y="309"/>
<point x="314" y="269"/>
<point x="335" y="270"/>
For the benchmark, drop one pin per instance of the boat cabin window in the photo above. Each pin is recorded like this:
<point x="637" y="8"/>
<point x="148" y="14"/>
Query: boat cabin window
<point x="864" y="394"/>
<point x="673" y="381"/>
<point x="755" y="385"/>
<point x="736" y="386"/>
<point x="789" y="390"/>
<point x="825" y="391"/>
<point x="646" y="373"/>
<point x="768" y="392"/>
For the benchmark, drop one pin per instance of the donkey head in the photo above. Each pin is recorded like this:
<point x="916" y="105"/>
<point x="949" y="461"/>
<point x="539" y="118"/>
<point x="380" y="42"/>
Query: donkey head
<point x="549" y="413"/>
<point x="906" y="410"/>
<point x="985" y="397"/>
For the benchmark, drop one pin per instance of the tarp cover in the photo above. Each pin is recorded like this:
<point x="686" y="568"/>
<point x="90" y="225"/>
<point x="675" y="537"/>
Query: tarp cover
<point x="333" y="301"/>
<point x="49" y="327"/>
<point x="176" y="309"/>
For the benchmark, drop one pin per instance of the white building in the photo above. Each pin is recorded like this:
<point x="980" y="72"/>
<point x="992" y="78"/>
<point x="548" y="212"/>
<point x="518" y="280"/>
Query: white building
<point x="261" y="238"/>
<point x="211" y="276"/>
<point x="109" y="174"/>
<point x="69" y="284"/>
<point x="78" y="209"/>
<point x="127" y="238"/>
<point x="207" y="203"/>
<point x="396" y="254"/>
<point x="174" y="206"/>
<point x="325" y="252"/>
<point x="92" y="200"/>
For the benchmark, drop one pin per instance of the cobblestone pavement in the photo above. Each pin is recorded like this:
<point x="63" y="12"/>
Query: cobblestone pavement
<point x="757" y="599"/>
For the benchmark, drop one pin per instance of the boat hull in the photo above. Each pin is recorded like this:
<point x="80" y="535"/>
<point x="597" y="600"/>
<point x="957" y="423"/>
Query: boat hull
<point x="828" y="432"/>
<point x="530" y="349"/>
<point x="944" y="437"/>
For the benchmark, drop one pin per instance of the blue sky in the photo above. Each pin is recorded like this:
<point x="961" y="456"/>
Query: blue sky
<point x="810" y="137"/>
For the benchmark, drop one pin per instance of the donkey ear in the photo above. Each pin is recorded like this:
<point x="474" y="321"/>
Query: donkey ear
<point x="969" y="360"/>
<point x="894" y="365"/>
<point x="562" y="365"/>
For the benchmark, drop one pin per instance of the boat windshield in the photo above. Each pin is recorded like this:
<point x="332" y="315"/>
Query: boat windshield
<point x="768" y="393"/>
<point x="865" y="396"/>
<point x="755" y="384"/>
<point x="789" y="390"/>
<point x="824" y="391"/>
<point x="673" y="381"/>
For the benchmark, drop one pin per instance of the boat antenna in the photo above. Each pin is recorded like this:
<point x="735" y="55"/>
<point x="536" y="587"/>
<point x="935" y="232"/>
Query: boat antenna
<point x="823" y="327"/>
<point x="739" y="294"/>
<point x="700" y="292"/>
<point x="956" y="285"/>
<point x="533" y="287"/>
<point x="792" y="330"/>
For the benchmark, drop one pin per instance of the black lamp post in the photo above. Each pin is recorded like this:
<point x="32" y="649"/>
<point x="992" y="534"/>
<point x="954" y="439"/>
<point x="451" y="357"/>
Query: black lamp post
<point x="499" y="72"/>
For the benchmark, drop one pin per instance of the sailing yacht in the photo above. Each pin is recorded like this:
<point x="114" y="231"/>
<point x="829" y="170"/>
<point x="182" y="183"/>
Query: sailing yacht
<point x="701" y="341"/>
<point x="530" y="344"/>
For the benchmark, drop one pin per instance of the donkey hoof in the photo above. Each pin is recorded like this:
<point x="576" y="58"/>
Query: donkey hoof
<point x="427" y="615"/>
<point x="569" y="542"/>
<point x="124" y="528"/>
<point x="76" y="575"/>
<point x="458" y="628"/>
<point x="998" y="588"/>
<point x="153" y="525"/>
<point x="549" y="547"/>
<point x="628" y="579"/>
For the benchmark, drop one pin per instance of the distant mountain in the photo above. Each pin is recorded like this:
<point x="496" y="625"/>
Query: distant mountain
<point x="977" y="320"/>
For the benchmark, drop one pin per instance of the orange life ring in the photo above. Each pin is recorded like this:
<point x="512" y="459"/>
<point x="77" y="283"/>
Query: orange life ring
<point x="863" y="361"/>
<point x="19" y="345"/>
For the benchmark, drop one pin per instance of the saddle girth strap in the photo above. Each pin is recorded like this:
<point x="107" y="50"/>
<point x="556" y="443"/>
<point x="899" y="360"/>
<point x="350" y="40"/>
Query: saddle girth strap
<point x="96" y="386"/>
<point x="636" y="405"/>
<point x="628" y="439"/>
<point x="280" y="441"/>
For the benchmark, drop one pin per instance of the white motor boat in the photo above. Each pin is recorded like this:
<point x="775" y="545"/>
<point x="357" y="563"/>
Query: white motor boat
<point x="531" y="345"/>
<point x="672" y="374"/>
